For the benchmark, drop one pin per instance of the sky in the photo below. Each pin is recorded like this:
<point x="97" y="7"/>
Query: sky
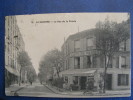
<point x="40" y="36"/>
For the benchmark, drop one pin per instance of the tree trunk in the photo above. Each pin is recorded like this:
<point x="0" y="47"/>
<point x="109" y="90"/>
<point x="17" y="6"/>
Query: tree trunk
<point x="105" y="71"/>
<point x="57" y="72"/>
<point x="20" y="77"/>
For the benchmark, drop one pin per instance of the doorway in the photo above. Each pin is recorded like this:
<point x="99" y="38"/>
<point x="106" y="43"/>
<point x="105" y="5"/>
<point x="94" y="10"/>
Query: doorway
<point x="109" y="82"/>
<point x="83" y="80"/>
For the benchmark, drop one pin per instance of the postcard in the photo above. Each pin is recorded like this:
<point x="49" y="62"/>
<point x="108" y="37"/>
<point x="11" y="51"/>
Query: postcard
<point x="69" y="55"/>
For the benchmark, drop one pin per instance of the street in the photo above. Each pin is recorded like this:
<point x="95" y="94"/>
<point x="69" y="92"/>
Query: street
<point x="36" y="89"/>
<point x="39" y="90"/>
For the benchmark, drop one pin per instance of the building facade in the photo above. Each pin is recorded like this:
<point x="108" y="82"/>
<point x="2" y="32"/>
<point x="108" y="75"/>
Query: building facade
<point x="82" y="62"/>
<point x="13" y="45"/>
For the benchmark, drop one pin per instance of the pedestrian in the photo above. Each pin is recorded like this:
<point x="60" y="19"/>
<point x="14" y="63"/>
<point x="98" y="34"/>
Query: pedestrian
<point x="100" y="86"/>
<point x="89" y="86"/>
<point x="65" y="86"/>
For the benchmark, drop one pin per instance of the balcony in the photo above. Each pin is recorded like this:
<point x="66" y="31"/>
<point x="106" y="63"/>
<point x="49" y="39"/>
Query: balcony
<point x="76" y="49"/>
<point x="90" y="47"/>
<point x="76" y="66"/>
<point x="124" y="66"/>
<point x="88" y="52"/>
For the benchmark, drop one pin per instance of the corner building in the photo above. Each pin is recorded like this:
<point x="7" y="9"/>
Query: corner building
<point x="82" y="62"/>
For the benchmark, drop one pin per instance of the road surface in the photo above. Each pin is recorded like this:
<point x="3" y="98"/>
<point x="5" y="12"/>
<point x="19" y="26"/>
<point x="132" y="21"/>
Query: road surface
<point x="37" y="90"/>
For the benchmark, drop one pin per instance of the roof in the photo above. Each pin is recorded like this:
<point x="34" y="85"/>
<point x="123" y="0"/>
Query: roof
<point x="83" y="34"/>
<point x="79" y="72"/>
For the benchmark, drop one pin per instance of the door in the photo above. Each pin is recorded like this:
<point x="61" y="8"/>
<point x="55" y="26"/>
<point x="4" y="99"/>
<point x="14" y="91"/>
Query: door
<point x="83" y="80"/>
<point x="109" y="82"/>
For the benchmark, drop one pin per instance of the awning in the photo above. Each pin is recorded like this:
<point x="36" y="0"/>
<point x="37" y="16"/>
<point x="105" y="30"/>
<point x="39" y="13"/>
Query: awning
<point x="11" y="70"/>
<point x="79" y="72"/>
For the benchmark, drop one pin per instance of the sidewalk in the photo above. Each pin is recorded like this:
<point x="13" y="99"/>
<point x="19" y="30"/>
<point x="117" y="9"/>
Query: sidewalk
<point x="80" y="93"/>
<point x="52" y="88"/>
<point x="14" y="88"/>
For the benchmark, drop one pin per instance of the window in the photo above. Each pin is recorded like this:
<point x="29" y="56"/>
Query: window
<point x="123" y="79"/>
<point x="90" y="43"/>
<point x="122" y="46"/>
<point x="102" y="61"/>
<point x="94" y="61"/>
<point x="123" y="62"/>
<point x="117" y="62"/>
<point x="89" y="61"/>
<point x="66" y="64"/>
<point x="77" y="62"/>
<point x="12" y="63"/>
<point x="77" y="45"/>
<point x="110" y="62"/>
<point x="8" y="60"/>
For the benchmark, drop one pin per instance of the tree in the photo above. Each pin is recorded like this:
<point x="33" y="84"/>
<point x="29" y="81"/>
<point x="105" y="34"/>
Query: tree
<point x="50" y="63"/>
<point x="31" y="74"/>
<point x="24" y="61"/>
<point x="55" y="58"/>
<point x="42" y="75"/>
<point x="108" y="38"/>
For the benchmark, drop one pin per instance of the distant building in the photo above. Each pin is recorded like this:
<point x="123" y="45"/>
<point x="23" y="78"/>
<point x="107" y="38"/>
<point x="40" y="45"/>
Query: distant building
<point x="13" y="45"/>
<point x="82" y="63"/>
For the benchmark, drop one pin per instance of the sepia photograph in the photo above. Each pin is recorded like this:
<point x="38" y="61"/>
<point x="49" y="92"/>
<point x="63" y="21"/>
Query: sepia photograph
<point x="68" y="55"/>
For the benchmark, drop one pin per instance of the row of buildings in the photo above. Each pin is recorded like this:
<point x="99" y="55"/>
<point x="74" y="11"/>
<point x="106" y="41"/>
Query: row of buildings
<point x="82" y="62"/>
<point x="13" y="45"/>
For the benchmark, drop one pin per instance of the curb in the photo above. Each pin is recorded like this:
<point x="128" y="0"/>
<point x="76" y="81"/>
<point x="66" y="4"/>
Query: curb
<point x="51" y="89"/>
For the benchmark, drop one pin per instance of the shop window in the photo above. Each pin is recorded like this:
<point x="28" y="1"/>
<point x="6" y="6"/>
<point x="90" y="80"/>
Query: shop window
<point x="75" y="81"/>
<point x="123" y="79"/>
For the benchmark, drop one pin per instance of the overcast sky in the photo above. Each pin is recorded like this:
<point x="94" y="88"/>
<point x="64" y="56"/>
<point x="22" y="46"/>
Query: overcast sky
<point x="39" y="38"/>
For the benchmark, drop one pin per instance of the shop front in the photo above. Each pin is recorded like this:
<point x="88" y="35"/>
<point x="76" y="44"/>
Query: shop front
<point x="11" y="76"/>
<point x="81" y="78"/>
